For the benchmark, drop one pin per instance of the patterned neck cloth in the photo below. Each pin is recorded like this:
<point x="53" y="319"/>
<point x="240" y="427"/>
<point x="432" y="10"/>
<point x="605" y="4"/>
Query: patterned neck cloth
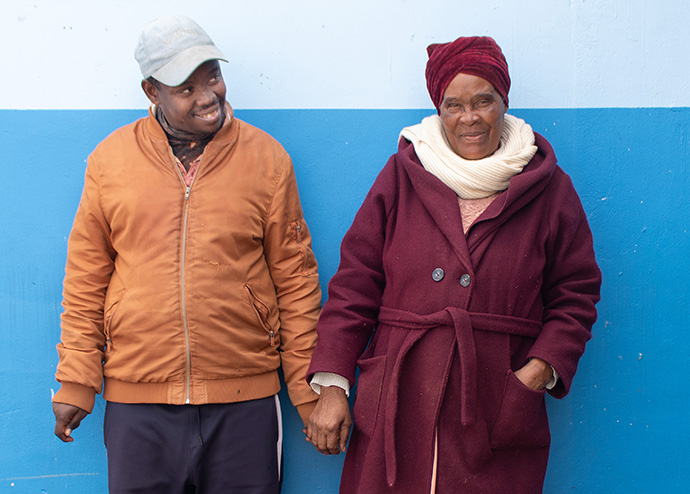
<point x="186" y="147"/>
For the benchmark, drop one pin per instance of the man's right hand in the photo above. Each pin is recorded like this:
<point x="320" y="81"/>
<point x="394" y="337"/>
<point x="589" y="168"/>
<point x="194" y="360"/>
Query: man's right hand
<point x="329" y="423"/>
<point x="67" y="418"/>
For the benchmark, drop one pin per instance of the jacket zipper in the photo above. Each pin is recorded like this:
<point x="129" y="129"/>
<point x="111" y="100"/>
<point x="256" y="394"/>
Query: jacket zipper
<point x="188" y="369"/>
<point x="183" y="262"/>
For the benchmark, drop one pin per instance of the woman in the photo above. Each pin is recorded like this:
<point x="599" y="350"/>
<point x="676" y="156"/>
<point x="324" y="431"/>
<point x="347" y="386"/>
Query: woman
<point x="466" y="289"/>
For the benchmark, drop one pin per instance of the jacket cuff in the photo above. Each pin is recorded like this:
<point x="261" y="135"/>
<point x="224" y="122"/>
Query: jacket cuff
<point x="77" y="395"/>
<point x="305" y="410"/>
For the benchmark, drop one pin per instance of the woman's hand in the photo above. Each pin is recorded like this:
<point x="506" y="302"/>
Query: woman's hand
<point x="329" y="423"/>
<point x="536" y="374"/>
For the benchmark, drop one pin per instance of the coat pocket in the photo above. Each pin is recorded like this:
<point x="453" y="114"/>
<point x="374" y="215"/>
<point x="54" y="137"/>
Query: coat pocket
<point x="369" y="385"/>
<point x="522" y="420"/>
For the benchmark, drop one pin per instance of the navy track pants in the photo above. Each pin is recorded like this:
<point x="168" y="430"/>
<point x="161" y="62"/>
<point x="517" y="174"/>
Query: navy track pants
<point x="232" y="448"/>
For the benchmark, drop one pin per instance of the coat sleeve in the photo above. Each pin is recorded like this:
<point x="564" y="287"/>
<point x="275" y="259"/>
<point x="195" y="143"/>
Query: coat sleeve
<point x="293" y="268"/>
<point x="90" y="264"/>
<point x="570" y="290"/>
<point x="354" y="293"/>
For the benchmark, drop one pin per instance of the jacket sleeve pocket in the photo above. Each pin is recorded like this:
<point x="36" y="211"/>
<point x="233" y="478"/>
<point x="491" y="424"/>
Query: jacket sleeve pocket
<point x="300" y="234"/>
<point x="522" y="420"/>
<point x="369" y="385"/>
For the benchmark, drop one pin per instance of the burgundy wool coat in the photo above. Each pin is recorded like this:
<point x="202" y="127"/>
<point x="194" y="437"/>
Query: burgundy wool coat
<point x="437" y="321"/>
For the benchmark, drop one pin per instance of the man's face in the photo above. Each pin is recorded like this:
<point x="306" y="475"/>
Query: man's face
<point x="197" y="106"/>
<point x="472" y="113"/>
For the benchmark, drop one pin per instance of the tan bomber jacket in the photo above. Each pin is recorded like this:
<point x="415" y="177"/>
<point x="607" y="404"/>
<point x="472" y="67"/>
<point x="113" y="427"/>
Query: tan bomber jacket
<point x="177" y="294"/>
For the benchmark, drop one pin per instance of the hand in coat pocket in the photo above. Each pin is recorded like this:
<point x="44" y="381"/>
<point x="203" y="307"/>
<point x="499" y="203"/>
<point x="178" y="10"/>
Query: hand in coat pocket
<point x="522" y="420"/>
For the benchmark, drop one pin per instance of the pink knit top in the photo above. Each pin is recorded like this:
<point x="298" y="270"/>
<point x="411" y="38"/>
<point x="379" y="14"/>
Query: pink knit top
<point x="471" y="209"/>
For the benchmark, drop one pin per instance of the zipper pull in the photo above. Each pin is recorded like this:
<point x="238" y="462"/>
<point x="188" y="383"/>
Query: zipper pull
<point x="186" y="194"/>
<point x="273" y="339"/>
<point x="299" y="232"/>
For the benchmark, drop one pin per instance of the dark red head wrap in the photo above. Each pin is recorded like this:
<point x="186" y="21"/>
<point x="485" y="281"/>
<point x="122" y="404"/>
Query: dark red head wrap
<point x="478" y="55"/>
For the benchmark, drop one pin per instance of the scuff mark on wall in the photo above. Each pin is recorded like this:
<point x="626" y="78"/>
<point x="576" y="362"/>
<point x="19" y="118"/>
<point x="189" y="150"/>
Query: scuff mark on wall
<point x="12" y="479"/>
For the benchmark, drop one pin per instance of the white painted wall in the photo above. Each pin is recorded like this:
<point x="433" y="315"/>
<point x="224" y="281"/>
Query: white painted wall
<point x="78" y="54"/>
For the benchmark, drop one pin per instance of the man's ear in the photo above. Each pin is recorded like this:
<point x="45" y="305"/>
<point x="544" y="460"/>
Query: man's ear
<point x="150" y="90"/>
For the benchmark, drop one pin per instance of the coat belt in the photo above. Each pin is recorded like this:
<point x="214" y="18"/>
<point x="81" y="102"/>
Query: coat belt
<point x="464" y="324"/>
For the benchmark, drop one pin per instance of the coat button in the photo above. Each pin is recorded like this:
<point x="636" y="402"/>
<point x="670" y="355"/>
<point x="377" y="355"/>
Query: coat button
<point x="438" y="274"/>
<point x="465" y="280"/>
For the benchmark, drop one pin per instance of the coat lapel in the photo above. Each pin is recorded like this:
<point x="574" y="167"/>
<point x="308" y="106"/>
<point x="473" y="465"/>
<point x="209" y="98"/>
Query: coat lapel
<point x="523" y="189"/>
<point x="439" y="200"/>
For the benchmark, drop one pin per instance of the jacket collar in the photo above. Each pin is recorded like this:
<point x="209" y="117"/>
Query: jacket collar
<point x="221" y="144"/>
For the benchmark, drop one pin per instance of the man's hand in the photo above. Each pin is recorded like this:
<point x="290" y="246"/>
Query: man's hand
<point x="536" y="374"/>
<point x="67" y="418"/>
<point x="329" y="423"/>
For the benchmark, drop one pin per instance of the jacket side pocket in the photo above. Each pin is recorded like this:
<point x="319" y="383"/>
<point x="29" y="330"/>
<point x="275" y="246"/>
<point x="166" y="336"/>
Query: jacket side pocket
<point x="369" y="385"/>
<point x="522" y="420"/>
<point x="262" y="313"/>
<point x="108" y="315"/>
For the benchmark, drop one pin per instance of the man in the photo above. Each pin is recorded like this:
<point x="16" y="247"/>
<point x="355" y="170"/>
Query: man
<point x="190" y="279"/>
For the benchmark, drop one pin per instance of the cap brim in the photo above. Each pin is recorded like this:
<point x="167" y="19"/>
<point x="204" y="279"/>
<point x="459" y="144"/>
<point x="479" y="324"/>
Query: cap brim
<point x="185" y="63"/>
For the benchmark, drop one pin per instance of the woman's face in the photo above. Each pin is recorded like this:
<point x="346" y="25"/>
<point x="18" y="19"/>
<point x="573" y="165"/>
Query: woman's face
<point x="472" y="114"/>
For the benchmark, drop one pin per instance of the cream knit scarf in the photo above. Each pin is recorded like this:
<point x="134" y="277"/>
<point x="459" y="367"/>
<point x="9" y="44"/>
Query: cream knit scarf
<point x="473" y="179"/>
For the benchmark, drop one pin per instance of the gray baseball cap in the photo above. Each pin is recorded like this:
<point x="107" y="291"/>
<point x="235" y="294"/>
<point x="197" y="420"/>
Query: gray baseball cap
<point x="172" y="47"/>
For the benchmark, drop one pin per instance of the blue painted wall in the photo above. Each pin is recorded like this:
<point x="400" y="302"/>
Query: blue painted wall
<point x="622" y="429"/>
